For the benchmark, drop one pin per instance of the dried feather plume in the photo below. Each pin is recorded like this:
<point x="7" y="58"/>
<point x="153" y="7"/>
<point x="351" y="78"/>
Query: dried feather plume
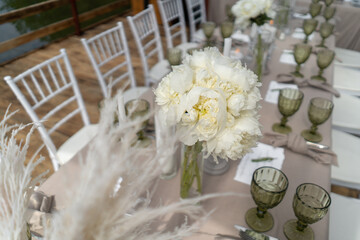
<point x="16" y="183"/>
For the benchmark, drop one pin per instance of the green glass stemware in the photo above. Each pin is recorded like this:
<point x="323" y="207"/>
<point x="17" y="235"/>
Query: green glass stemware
<point x="136" y="109"/>
<point x="229" y="13"/>
<point x="315" y="9"/>
<point x="288" y="103"/>
<point x="301" y="54"/>
<point x="268" y="188"/>
<point x="326" y="29"/>
<point x="309" y="26"/>
<point x="315" y="1"/>
<point x="226" y="28"/>
<point x="174" y="56"/>
<point x="329" y="13"/>
<point x="208" y="29"/>
<point x="328" y="2"/>
<point x="311" y="203"/>
<point x="319" y="111"/>
<point x="324" y="59"/>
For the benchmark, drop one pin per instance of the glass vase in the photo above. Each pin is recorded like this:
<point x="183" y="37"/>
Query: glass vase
<point x="260" y="47"/>
<point x="218" y="167"/>
<point x="191" y="171"/>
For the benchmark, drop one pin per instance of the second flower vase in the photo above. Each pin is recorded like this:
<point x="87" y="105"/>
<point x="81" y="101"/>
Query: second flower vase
<point x="191" y="171"/>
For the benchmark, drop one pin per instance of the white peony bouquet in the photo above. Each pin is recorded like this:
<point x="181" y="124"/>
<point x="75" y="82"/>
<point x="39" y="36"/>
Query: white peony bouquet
<point x="213" y="100"/>
<point x="252" y="11"/>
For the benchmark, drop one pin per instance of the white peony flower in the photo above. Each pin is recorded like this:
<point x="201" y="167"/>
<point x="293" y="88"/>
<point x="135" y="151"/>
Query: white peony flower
<point x="245" y="10"/>
<point x="212" y="99"/>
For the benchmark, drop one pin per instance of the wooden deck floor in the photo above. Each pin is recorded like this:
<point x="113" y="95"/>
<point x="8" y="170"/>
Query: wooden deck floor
<point x="88" y="84"/>
<point x="84" y="73"/>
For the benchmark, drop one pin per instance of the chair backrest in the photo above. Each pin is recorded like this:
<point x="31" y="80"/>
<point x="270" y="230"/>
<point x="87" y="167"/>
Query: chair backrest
<point x="145" y="29"/>
<point x="196" y="13"/>
<point x="109" y="55"/>
<point x="36" y="89"/>
<point x="172" y="16"/>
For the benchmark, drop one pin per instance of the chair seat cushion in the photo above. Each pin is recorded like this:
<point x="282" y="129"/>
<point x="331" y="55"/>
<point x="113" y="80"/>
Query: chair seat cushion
<point x="159" y="70"/>
<point x="347" y="148"/>
<point x="76" y="142"/>
<point x="346" y="116"/>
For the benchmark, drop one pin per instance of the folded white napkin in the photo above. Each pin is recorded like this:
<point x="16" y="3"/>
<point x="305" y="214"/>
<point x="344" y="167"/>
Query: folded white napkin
<point x="302" y="16"/>
<point x="272" y="94"/>
<point x="247" y="167"/>
<point x="299" y="34"/>
<point x="287" y="57"/>
<point x="240" y="37"/>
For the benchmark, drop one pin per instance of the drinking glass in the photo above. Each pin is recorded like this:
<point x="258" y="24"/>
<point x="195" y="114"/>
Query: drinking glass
<point x="326" y="29"/>
<point x="174" y="56"/>
<point x="315" y="9"/>
<point x="229" y="13"/>
<point x="268" y="188"/>
<point x="329" y="13"/>
<point x="328" y="2"/>
<point x="319" y="111"/>
<point x="135" y="109"/>
<point x="289" y="102"/>
<point x="324" y="59"/>
<point x="208" y="28"/>
<point x="309" y="26"/>
<point x="226" y="28"/>
<point x="301" y="54"/>
<point x="311" y="203"/>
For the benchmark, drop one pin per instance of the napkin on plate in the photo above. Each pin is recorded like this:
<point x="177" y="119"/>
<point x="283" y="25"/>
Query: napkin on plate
<point x="302" y="16"/>
<point x="272" y="93"/>
<point x="246" y="166"/>
<point x="299" y="34"/>
<point x="301" y="82"/>
<point x="240" y="37"/>
<point x="287" y="57"/>
<point x="297" y="143"/>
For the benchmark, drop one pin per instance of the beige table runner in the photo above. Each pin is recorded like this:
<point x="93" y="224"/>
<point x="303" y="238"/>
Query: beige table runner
<point x="231" y="210"/>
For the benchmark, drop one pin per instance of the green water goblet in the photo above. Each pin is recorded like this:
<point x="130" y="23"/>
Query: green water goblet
<point x="268" y="188"/>
<point x="315" y="9"/>
<point x="229" y="13"/>
<point x="329" y="13"/>
<point x="326" y="29"/>
<point x="174" y="56"/>
<point x="309" y="26"/>
<point x="319" y="111"/>
<point x="315" y="1"/>
<point x="227" y="29"/>
<point x="301" y="54"/>
<point x="311" y="203"/>
<point x="289" y="102"/>
<point x="324" y="59"/>
<point x="208" y="29"/>
<point x="328" y="2"/>
<point x="136" y="109"/>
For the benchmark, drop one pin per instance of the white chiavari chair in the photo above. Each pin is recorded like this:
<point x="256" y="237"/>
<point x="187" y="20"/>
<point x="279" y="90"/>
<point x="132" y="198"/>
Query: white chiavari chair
<point x="347" y="148"/>
<point x="110" y="58"/>
<point x="172" y="16"/>
<point x="50" y="95"/>
<point x="145" y="29"/>
<point x="344" y="217"/>
<point x="346" y="114"/>
<point x="197" y="15"/>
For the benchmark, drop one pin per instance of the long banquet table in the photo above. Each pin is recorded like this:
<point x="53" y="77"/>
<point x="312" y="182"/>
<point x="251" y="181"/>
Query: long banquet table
<point x="347" y="20"/>
<point x="231" y="210"/>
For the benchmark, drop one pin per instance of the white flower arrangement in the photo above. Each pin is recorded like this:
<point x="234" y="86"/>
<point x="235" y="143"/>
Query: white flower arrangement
<point x="212" y="99"/>
<point x="252" y="11"/>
